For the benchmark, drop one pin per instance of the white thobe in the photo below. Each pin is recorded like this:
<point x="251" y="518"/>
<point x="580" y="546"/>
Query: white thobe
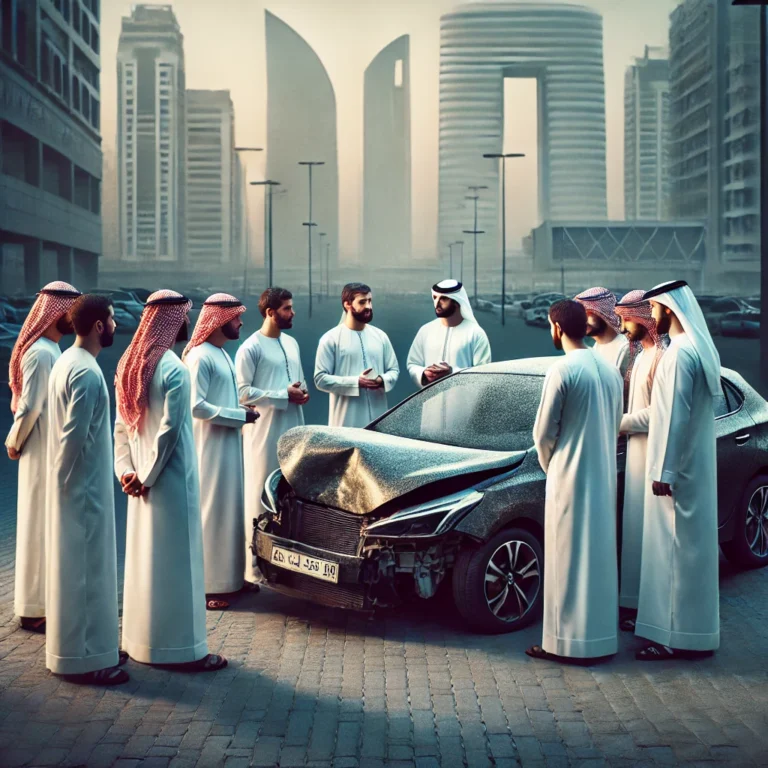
<point x="164" y="592"/>
<point x="265" y="369"/>
<point x="81" y="550"/>
<point x="217" y="421"/>
<point x="342" y="355"/>
<point x="635" y="424"/>
<point x="615" y="353"/>
<point x="575" y="436"/>
<point x="462" y="346"/>
<point x="679" y="591"/>
<point x="29" y="434"/>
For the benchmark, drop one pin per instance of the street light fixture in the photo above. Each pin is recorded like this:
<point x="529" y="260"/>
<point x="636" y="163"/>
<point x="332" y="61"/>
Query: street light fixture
<point x="503" y="157"/>
<point x="270" y="185"/>
<point x="475" y="231"/>
<point x="309" y="224"/>
<point x="247" y="226"/>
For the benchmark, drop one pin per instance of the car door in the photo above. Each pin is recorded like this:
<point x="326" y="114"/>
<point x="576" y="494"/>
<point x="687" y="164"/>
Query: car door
<point x="735" y="448"/>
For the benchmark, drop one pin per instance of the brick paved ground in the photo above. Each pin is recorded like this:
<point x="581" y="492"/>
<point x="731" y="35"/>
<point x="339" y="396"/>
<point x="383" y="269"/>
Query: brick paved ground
<point x="309" y="686"/>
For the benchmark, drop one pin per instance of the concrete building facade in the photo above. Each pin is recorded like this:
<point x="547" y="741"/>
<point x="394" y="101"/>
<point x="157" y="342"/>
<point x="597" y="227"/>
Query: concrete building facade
<point x="387" y="156"/>
<point x="559" y="44"/>
<point x="301" y="126"/>
<point x="151" y="136"/>
<point x="646" y="126"/>
<point x="50" y="144"/>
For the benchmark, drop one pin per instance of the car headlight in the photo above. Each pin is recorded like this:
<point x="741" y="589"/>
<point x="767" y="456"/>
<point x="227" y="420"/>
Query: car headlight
<point x="430" y="519"/>
<point x="269" y="494"/>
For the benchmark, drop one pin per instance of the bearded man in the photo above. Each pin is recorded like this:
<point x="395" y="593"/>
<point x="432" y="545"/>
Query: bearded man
<point x="34" y="354"/>
<point x="217" y="423"/>
<point x="355" y="363"/>
<point x="603" y="327"/>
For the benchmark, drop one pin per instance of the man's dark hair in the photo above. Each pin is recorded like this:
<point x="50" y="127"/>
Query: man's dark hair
<point x="87" y="310"/>
<point x="571" y="317"/>
<point x="351" y="290"/>
<point x="273" y="298"/>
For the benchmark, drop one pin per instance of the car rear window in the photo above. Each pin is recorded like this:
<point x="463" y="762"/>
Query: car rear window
<point x="483" y="411"/>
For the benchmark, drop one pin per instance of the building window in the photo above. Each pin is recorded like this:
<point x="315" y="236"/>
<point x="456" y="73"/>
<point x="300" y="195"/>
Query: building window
<point x="94" y="40"/>
<point x="19" y="157"/>
<point x="56" y="173"/>
<point x="82" y="197"/>
<point x="95" y="114"/>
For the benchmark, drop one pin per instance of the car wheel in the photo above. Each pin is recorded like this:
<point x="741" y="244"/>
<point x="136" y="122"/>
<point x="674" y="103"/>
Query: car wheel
<point x="497" y="587"/>
<point x="749" y="546"/>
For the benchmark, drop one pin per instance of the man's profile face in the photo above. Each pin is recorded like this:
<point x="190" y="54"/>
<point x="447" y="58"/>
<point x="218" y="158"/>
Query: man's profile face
<point x="632" y="330"/>
<point x="662" y="316"/>
<point x="596" y="326"/>
<point x="64" y="325"/>
<point x="232" y="329"/>
<point x="445" y="307"/>
<point x="107" y="331"/>
<point x="361" y="307"/>
<point x="284" y="316"/>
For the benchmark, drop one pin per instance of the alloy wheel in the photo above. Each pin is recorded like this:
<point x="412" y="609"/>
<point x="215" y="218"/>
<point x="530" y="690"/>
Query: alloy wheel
<point x="756" y="527"/>
<point x="512" y="580"/>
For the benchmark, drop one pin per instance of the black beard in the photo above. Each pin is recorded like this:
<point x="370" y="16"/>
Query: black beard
<point x="365" y="316"/>
<point x="64" y="326"/>
<point x="664" y="324"/>
<point x="183" y="334"/>
<point x="452" y="307"/>
<point x="558" y="343"/>
<point x="283" y="324"/>
<point x="230" y="331"/>
<point x="597" y="327"/>
<point x="106" y="339"/>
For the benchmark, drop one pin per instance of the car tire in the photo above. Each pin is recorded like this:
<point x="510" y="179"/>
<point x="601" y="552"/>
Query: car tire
<point x="740" y="550"/>
<point x="477" y="598"/>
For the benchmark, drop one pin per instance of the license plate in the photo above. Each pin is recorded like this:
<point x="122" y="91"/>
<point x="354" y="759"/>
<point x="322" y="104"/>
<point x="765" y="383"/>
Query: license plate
<point x="324" y="570"/>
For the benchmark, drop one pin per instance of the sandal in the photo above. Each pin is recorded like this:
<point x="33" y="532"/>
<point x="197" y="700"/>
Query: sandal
<point x="108" y="676"/>
<point x="214" y="604"/>
<point x="33" y="625"/>
<point x="209" y="663"/>
<point x="122" y="658"/>
<point x="537" y="652"/>
<point x="250" y="586"/>
<point x="656" y="652"/>
<point x="627" y="625"/>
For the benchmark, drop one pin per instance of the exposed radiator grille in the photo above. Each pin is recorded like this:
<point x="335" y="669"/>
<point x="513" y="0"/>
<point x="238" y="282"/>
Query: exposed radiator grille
<point x="326" y="528"/>
<point x="335" y="595"/>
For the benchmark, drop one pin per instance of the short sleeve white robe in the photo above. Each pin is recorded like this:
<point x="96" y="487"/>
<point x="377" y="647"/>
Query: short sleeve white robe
<point x="164" y="592"/>
<point x="462" y="346"/>
<point x="679" y="590"/>
<point x="265" y="368"/>
<point x="575" y="434"/>
<point x="635" y="424"/>
<point x="29" y="434"/>
<point x="217" y="422"/>
<point x="342" y="355"/>
<point x="81" y="576"/>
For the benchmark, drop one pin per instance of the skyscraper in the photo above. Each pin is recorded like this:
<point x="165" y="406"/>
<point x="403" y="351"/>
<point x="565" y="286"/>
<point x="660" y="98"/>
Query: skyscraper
<point x="211" y="177"/>
<point x="387" y="156"/>
<point x="151" y="135"/>
<point x="646" y="124"/>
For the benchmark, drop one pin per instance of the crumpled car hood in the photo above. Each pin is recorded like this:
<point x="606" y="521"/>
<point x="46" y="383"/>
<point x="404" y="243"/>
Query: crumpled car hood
<point x="359" y="470"/>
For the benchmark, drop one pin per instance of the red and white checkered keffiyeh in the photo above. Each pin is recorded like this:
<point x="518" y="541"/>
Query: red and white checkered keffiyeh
<point x="52" y="303"/>
<point x="632" y="307"/>
<point x="217" y="311"/>
<point x="603" y="303"/>
<point x="156" y="334"/>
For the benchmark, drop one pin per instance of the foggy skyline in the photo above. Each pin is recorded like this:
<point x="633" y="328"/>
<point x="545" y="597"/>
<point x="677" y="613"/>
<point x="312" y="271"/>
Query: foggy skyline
<point x="225" y="49"/>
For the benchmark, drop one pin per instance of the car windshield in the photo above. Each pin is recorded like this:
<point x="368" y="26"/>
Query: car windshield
<point x="483" y="411"/>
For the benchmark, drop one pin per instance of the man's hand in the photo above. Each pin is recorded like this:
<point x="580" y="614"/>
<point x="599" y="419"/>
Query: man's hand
<point x="251" y="415"/>
<point x="132" y="485"/>
<point x="365" y="383"/>
<point x="437" y="371"/>
<point x="296" y="394"/>
<point x="13" y="454"/>
<point x="662" y="489"/>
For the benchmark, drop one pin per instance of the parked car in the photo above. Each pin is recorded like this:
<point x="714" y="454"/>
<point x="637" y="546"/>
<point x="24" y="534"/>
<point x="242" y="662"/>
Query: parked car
<point x="126" y="322"/>
<point x="714" y="312"/>
<point x="360" y="518"/>
<point x="518" y="307"/>
<point x="124" y="300"/>
<point x="9" y="313"/>
<point x="544" y="301"/>
<point x="742" y="324"/>
<point x="141" y="294"/>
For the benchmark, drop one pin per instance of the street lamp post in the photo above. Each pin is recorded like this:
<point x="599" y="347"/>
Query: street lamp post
<point x="269" y="184"/>
<point x="247" y="226"/>
<point x="460" y="243"/>
<point x="503" y="157"/>
<point x="327" y="269"/>
<point x="309" y="224"/>
<point x="475" y="231"/>
<point x="450" y="252"/>
<point x="322" y="253"/>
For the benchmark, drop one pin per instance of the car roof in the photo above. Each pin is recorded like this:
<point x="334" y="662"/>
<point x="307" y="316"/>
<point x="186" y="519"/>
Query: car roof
<point x="530" y="366"/>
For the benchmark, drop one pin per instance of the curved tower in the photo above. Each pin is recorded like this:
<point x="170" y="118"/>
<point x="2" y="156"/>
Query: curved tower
<point x="301" y="126"/>
<point x="559" y="44"/>
<point x="387" y="156"/>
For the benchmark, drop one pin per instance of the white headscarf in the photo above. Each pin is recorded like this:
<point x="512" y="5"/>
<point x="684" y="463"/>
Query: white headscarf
<point x="680" y="299"/>
<point x="453" y="289"/>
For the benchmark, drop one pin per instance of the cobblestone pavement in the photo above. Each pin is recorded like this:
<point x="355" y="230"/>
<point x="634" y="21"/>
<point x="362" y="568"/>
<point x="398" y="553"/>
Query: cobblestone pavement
<point x="315" y="687"/>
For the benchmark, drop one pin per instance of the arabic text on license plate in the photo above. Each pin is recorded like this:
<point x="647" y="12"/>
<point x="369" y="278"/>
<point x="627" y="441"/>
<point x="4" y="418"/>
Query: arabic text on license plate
<point x="311" y="566"/>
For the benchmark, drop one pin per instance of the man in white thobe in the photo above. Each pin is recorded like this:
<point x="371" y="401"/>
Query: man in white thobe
<point x="217" y="423"/>
<point x="603" y="327"/>
<point x="452" y="341"/>
<point x="639" y="326"/>
<point x="34" y="354"/>
<point x="270" y="377"/>
<point x="156" y="463"/>
<point x="355" y="363"/>
<point x="81" y="575"/>
<point x="678" y="607"/>
<point x="575" y="437"/>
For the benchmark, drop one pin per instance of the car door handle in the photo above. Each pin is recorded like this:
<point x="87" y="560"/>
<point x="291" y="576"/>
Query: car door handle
<point x="742" y="439"/>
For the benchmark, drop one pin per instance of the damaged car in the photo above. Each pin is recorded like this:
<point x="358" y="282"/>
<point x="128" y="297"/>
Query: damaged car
<point x="446" y="487"/>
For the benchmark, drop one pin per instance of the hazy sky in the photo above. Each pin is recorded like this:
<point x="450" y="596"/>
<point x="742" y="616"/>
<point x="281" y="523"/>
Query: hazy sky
<point x="224" y="49"/>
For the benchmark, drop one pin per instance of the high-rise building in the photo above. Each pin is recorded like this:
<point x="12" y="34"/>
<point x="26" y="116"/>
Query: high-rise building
<point x="301" y="127"/>
<point x="50" y="143"/>
<point x="561" y="46"/>
<point x="151" y="135"/>
<point x="387" y="156"/>
<point x="210" y="177"/>
<point x="646" y="123"/>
